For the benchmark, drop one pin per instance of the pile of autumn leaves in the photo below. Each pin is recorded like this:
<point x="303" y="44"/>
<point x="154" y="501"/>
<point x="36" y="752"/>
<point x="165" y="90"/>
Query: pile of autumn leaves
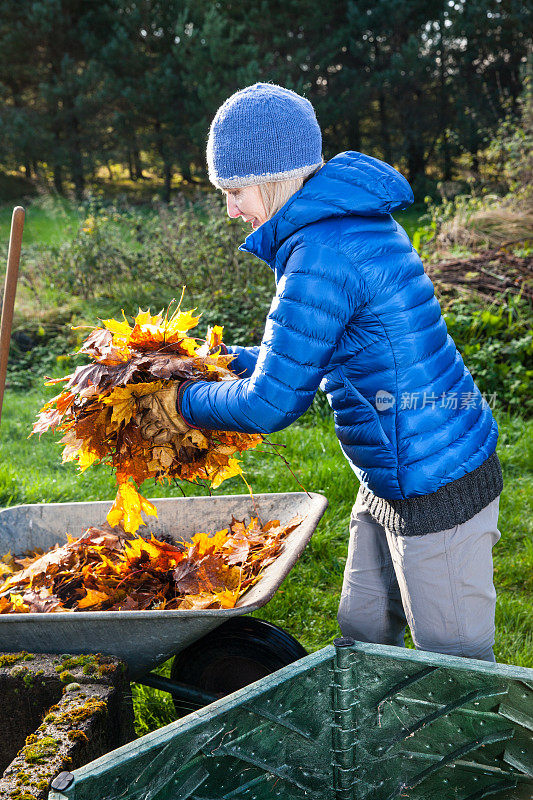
<point x="106" y="570"/>
<point x="111" y="411"/>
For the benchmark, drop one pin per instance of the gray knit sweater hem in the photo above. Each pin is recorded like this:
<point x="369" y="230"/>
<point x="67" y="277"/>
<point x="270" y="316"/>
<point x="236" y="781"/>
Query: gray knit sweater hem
<point x="449" y="506"/>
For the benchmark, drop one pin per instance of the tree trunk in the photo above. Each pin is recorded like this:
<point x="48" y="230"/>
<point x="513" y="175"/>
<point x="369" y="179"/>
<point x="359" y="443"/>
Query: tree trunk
<point x="444" y="111"/>
<point x="446" y="157"/>
<point x="384" y="125"/>
<point x="185" y="170"/>
<point x="78" y="177"/>
<point x="58" y="167"/>
<point x="167" y="174"/>
<point x="58" y="178"/>
<point x="131" y="171"/>
<point x="167" y="163"/>
<point x="416" y="165"/>
<point x="76" y="161"/>
<point x="137" y="164"/>
<point x="475" y="160"/>
<point x="356" y="133"/>
<point x="27" y="170"/>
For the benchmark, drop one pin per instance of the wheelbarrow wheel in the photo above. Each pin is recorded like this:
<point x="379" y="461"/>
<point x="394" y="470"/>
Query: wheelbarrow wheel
<point x="237" y="653"/>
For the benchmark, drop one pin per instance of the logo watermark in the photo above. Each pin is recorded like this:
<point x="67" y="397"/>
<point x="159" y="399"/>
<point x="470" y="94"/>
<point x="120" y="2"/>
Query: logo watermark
<point x="384" y="400"/>
<point x="419" y="400"/>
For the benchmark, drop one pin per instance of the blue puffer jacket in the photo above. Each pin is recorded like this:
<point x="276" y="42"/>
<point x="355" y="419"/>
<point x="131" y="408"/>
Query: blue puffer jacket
<point x="355" y="314"/>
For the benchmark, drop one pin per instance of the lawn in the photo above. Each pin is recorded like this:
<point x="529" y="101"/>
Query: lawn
<point x="49" y="221"/>
<point x="31" y="472"/>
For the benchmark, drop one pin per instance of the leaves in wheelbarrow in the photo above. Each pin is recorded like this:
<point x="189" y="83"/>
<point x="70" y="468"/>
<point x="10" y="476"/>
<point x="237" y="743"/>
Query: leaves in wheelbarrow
<point x="108" y="570"/>
<point x="120" y="409"/>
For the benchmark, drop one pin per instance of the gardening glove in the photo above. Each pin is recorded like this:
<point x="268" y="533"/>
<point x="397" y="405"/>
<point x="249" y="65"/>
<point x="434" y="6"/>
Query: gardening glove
<point x="158" y="418"/>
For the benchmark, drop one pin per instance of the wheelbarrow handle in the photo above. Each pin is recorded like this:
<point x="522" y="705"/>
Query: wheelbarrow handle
<point x="181" y="691"/>
<point x="10" y="287"/>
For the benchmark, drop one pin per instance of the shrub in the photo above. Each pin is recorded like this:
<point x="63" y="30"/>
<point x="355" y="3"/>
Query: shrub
<point x="36" y="352"/>
<point x="123" y="258"/>
<point x="497" y="346"/>
<point x="196" y="244"/>
<point x="128" y="258"/>
<point x="94" y="261"/>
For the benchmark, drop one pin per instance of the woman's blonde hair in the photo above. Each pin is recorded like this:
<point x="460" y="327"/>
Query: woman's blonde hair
<point x="276" y="193"/>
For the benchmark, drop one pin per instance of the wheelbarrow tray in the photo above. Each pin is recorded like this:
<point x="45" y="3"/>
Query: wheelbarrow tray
<point x="144" y="639"/>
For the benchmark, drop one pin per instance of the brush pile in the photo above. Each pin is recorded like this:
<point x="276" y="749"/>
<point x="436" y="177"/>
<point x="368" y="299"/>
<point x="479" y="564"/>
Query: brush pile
<point x="493" y="274"/>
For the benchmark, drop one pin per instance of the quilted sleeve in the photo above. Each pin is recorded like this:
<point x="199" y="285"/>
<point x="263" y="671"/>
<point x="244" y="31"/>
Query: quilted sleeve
<point x="316" y="297"/>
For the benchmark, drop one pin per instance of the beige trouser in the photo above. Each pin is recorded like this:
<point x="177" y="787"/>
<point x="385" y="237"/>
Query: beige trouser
<point x="439" y="584"/>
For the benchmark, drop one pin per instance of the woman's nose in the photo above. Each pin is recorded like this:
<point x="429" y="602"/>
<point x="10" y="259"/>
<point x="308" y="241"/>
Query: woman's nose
<point x="232" y="208"/>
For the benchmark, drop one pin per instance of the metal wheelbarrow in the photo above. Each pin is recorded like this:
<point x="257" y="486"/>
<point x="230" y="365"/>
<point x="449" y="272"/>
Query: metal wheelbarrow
<point x="209" y="663"/>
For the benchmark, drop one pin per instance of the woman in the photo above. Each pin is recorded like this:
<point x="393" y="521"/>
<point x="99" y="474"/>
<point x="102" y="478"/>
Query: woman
<point x="355" y="314"/>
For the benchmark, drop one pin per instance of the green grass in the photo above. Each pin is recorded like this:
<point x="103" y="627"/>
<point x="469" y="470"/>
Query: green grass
<point x="49" y="220"/>
<point x="306" y="604"/>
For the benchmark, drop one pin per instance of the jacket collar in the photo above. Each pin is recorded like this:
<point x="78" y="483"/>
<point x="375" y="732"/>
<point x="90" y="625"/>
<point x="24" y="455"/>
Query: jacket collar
<point x="351" y="183"/>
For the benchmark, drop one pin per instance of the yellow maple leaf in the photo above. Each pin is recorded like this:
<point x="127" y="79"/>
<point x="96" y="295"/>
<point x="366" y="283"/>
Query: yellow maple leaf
<point x="140" y="389"/>
<point x="18" y="603"/>
<point x="86" y="458"/>
<point x="120" y="329"/>
<point x="5" y="569"/>
<point x="110" y="565"/>
<point x="220" y="474"/>
<point x="145" y="318"/>
<point x="182" y="321"/>
<point x="189" y="345"/>
<point x="227" y="598"/>
<point x="137" y="547"/>
<point x="214" y="336"/>
<point x="122" y="399"/>
<point x="122" y="402"/>
<point x="205" y="542"/>
<point x="127" y="508"/>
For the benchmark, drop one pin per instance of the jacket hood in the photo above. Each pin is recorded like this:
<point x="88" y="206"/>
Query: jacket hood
<point x="349" y="184"/>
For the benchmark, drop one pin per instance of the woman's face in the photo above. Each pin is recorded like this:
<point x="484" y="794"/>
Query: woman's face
<point x="246" y="203"/>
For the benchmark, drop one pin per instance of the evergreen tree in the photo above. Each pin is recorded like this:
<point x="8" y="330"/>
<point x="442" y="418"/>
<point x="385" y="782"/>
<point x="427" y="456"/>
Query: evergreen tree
<point x="415" y="83"/>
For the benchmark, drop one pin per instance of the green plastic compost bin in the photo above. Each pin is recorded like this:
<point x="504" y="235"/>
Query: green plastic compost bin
<point x="354" y="721"/>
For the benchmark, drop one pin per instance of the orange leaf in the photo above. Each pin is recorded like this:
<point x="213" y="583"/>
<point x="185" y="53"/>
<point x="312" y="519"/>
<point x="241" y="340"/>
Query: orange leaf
<point x="227" y="598"/>
<point x="214" y="336"/>
<point x="205" y="543"/>
<point x="92" y="598"/>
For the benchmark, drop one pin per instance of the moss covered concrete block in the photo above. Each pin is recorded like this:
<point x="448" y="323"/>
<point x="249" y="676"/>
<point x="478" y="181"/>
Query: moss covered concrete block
<point x="58" y="713"/>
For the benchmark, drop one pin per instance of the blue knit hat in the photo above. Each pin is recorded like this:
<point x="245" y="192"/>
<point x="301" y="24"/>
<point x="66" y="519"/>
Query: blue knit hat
<point x="263" y="133"/>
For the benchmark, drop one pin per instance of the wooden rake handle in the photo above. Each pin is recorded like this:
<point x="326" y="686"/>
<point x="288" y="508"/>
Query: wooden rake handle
<point x="10" y="287"/>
